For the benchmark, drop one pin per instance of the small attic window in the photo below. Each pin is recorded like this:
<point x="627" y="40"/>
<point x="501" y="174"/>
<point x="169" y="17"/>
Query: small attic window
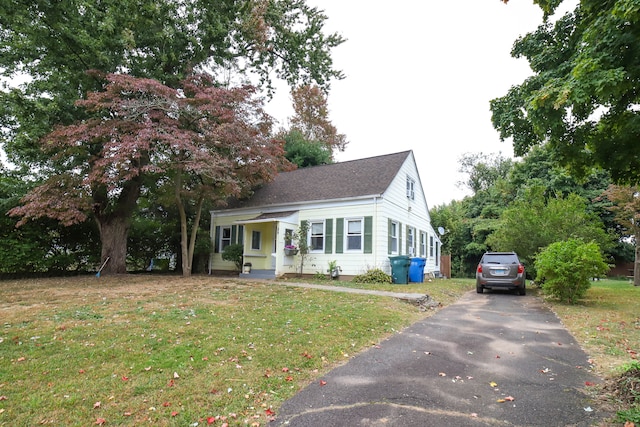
<point x="411" y="183"/>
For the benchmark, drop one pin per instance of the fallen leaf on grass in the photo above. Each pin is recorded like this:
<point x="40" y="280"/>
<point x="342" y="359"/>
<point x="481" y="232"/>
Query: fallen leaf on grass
<point x="96" y="405"/>
<point x="269" y="412"/>
<point x="100" y="421"/>
<point x="174" y="413"/>
<point x="289" y="378"/>
<point x="589" y="383"/>
<point x="285" y="369"/>
<point x="3" y="398"/>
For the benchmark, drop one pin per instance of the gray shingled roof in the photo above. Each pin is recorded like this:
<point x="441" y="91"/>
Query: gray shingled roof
<point x="356" y="178"/>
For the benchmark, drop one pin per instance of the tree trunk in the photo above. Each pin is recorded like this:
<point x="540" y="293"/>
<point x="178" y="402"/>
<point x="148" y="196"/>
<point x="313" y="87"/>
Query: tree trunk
<point x="114" y="222"/>
<point x="114" y="232"/>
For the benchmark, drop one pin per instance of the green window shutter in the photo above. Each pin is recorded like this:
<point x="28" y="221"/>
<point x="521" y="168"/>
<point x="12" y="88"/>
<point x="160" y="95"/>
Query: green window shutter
<point x="234" y="234"/>
<point x="339" y="235"/>
<point x="328" y="236"/>
<point x="241" y="234"/>
<point x="399" y="238"/>
<point x="408" y="245"/>
<point x="368" y="234"/>
<point x="389" y="236"/>
<point x="216" y="241"/>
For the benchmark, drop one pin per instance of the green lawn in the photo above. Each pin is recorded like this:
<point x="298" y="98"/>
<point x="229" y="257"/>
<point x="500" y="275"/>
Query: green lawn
<point x="171" y="351"/>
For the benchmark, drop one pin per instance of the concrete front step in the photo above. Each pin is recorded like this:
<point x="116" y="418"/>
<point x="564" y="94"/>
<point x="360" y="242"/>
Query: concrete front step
<point x="259" y="274"/>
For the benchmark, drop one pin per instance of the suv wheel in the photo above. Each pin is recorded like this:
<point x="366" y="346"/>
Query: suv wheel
<point x="522" y="290"/>
<point x="479" y="289"/>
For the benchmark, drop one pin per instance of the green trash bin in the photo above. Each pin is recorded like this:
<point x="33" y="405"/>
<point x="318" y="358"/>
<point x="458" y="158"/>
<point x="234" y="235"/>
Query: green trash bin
<point x="400" y="269"/>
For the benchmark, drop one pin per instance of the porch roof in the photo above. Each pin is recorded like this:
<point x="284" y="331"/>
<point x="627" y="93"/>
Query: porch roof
<point x="267" y="217"/>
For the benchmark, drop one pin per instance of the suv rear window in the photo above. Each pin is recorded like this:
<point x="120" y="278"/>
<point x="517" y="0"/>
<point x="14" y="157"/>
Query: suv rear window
<point x="499" y="259"/>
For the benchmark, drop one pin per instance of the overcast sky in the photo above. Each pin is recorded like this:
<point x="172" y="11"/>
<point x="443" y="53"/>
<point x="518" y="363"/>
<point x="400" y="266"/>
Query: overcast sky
<point x="419" y="76"/>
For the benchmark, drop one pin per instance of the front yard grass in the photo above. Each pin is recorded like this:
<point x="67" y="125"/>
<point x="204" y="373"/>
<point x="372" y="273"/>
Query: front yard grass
<point x="170" y="351"/>
<point x="607" y="325"/>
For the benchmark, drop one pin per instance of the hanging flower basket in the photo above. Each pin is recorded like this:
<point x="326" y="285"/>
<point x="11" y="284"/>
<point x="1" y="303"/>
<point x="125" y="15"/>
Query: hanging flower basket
<point x="290" y="251"/>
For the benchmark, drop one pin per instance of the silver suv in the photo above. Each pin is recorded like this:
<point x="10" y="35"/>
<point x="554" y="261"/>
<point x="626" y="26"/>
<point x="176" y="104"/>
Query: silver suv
<point x="500" y="270"/>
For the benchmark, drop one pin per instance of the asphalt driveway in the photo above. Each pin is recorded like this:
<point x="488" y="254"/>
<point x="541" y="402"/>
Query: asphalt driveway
<point x="493" y="359"/>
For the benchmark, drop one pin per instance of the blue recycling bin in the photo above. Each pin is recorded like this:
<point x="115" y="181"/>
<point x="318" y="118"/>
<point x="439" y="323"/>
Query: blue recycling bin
<point x="416" y="269"/>
<point x="400" y="269"/>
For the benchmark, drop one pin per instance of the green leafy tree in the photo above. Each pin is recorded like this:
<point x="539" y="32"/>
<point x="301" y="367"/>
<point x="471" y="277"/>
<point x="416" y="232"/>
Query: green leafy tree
<point x="462" y="238"/>
<point x="55" y="43"/>
<point x="487" y="177"/>
<point x="566" y="268"/>
<point x="533" y="222"/>
<point x="582" y="99"/>
<point x="302" y="152"/>
<point x="626" y="207"/>
<point x="42" y="246"/>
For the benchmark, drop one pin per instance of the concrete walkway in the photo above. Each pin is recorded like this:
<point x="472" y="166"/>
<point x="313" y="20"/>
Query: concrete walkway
<point x="422" y="300"/>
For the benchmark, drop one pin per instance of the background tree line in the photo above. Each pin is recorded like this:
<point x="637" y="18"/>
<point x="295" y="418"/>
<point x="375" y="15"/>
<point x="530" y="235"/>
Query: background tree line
<point x="526" y="205"/>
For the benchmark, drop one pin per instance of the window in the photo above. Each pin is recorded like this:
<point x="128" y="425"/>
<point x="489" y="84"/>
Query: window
<point x="430" y="246"/>
<point x="411" y="241"/>
<point x="423" y="243"/>
<point x="288" y="237"/>
<point x="410" y="188"/>
<point x="256" y="239"/>
<point x="354" y="234"/>
<point x="225" y="237"/>
<point x="316" y="236"/>
<point x="393" y="237"/>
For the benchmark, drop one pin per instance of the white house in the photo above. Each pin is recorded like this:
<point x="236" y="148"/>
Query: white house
<point x="359" y="214"/>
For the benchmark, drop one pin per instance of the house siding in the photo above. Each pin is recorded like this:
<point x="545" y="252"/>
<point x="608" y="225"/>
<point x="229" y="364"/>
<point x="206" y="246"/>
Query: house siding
<point x="396" y="206"/>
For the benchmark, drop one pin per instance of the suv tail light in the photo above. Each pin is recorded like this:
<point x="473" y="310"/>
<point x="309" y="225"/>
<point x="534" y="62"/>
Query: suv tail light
<point x="479" y="268"/>
<point x="520" y="268"/>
